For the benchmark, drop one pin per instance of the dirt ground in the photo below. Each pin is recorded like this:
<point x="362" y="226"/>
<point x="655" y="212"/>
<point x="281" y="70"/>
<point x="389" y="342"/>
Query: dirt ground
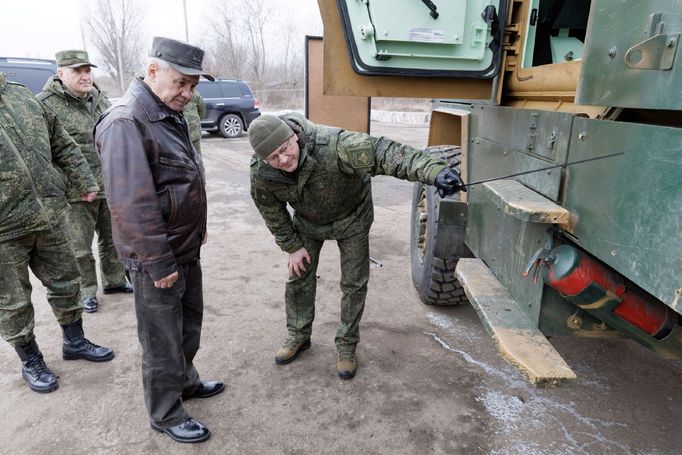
<point x="429" y="381"/>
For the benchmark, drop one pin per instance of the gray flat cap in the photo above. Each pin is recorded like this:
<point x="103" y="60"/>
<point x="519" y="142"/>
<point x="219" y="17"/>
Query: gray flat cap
<point x="183" y="57"/>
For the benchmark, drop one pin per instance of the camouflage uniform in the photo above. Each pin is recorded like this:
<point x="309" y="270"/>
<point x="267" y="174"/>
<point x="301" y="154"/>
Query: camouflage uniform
<point x="193" y="112"/>
<point x="330" y="193"/>
<point x="78" y="116"/>
<point x="32" y="206"/>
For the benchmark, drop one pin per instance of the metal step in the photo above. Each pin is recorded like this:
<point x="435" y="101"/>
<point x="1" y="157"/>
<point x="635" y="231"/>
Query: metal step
<point x="518" y="339"/>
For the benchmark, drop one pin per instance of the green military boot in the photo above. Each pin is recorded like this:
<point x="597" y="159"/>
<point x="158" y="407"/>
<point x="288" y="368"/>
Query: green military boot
<point x="346" y="365"/>
<point x="290" y="350"/>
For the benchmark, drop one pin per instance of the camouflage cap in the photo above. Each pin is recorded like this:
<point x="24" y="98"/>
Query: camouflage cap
<point x="73" y="58"/>
<point x="183" y="57"/>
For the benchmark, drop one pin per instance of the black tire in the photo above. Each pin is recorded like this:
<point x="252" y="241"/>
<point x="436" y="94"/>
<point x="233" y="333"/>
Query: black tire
<point x="231" y="126"/>
<point x="435" y="250"/>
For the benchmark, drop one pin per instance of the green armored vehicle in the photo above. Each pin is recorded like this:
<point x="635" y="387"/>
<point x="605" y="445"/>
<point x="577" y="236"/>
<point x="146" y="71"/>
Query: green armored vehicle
<point x="569" y="114"/>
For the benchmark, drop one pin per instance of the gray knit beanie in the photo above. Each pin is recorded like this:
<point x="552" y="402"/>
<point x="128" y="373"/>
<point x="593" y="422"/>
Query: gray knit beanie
<point x="268" y="132"/>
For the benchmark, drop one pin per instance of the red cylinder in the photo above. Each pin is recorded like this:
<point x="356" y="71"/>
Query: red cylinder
<point x="572" y="272"/>
<point x="648" y="314"/>
<point x="584" y="281"/>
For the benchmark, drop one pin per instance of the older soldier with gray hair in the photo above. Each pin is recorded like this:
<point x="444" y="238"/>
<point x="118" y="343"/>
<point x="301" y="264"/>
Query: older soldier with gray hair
<point x="157" y="199"/>
<point x="75" y="98"/>
<point x="34" y="148"/>
<point x="324" y="173"/>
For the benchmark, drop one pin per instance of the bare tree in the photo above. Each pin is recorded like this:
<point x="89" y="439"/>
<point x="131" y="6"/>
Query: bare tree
<point x="227" y="56"/>
<point x="257" y="13"/>
<point x="252" y="40"/>
<point x="238" y="39"/>
<point x="115" y="29"/>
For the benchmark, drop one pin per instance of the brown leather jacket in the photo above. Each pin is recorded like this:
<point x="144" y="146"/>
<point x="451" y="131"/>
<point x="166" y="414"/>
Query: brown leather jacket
<point x="154" y="182"/>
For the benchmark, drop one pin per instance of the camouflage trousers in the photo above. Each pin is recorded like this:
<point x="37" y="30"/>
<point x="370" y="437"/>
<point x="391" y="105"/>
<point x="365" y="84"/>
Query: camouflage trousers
<point x="169" y="330"/>
<point x="51" y="260"/>
<point x="300" y="292"/>
<point x="84" y="220"/>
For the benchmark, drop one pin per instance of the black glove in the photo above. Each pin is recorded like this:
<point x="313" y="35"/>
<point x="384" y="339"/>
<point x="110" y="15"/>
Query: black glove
<point x="448" y="182"/>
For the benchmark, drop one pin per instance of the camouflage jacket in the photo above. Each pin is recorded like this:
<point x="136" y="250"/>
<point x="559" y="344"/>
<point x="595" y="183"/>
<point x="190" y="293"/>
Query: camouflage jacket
<point x="78" y="116"/>
<point x="32" y="143"/>
<point x="193" y="112"/>
<point x="331" y="189"/>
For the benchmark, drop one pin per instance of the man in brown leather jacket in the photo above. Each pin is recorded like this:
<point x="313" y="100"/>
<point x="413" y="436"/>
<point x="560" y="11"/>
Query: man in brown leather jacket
<point x="157" y="200"/>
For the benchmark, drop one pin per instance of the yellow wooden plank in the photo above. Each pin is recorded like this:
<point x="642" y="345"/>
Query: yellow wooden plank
<point x="518" y="339"/>
<point x="525" y="204"/>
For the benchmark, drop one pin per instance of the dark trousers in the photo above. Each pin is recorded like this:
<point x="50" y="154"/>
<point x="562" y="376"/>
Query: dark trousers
<point x="169" y="329"/>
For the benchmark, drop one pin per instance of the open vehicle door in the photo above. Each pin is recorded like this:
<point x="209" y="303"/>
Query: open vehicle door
<point x="424" y="49"/>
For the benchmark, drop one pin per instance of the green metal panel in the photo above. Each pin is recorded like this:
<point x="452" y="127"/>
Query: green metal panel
<point x="506" y="244"/>
<point x="632" y="56"/>
<point x="451" y="212"/>
<point x="509" y="140"/>
<point x="455" y="43"/>
<point x="627" y="210"/>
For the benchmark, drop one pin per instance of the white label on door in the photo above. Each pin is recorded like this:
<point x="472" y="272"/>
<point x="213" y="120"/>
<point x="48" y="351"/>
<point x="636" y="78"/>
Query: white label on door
<point x="426" y="35"/>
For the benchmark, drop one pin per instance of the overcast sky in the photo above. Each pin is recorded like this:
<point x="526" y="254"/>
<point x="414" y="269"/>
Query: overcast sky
<point x="39" y="28"/>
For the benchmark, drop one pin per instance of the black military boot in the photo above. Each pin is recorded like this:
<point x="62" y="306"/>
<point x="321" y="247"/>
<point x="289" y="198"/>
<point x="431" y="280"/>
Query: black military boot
<point x="76" y="346"/>
<point x="33" y="369"/>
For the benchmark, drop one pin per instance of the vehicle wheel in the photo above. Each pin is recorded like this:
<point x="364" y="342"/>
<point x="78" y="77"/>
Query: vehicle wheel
<point x="435" y="250"/>
<point x="231" y="125"/>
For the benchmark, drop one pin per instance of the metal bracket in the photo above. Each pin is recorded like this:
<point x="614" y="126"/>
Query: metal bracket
<point x="655" y="53"/>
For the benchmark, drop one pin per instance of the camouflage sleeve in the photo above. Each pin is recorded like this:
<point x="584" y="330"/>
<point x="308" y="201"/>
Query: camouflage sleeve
<point x="201" y="105"/>
<point x="276" y="216"/>
<point x="361" y="153"/>
<point x="67" y="156"/>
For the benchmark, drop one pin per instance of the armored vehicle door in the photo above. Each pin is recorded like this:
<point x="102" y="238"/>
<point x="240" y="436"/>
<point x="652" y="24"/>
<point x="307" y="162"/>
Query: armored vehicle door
<point x="421" y="49"/>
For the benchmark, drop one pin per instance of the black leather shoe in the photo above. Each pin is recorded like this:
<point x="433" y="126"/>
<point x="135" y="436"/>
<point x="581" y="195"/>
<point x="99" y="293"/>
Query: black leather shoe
<point x="122" y="289"/>
<point x="206" y="389"/>
<point x="189" y="431"/>
<point x="90" y="304"/>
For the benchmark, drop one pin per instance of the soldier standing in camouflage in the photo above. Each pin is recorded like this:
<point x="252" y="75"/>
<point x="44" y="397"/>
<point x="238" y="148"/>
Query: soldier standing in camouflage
<point x="32" y="204"/>
<point x="324" y="173"/>
<point x="193" y="113"/>
<point x="73" y="96"/>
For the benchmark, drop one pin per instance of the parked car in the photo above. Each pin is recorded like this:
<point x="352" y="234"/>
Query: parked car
<point x="230" y="106"/>
<point x="32" y="72"/>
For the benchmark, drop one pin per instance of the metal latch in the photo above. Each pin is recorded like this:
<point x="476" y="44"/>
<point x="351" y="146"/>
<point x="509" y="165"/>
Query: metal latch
<point x="533" y="131"/>
<point x="655" y="53"/>
<point x="489" y="15"/>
